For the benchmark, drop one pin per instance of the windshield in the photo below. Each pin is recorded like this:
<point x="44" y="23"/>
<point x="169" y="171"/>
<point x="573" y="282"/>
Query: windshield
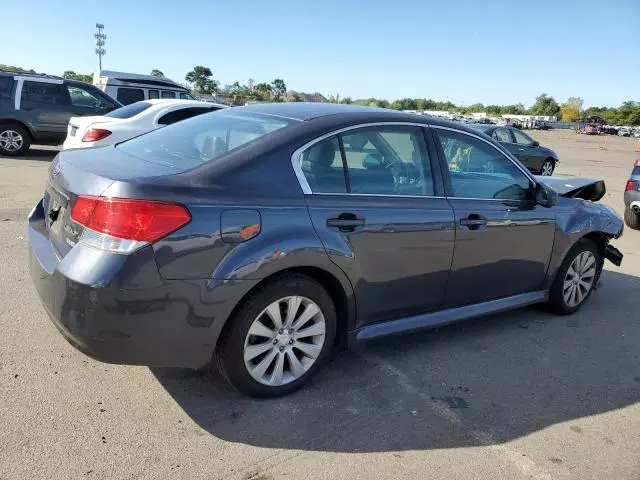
<point x="200" y="139"/>
<point x="129" y="111"/>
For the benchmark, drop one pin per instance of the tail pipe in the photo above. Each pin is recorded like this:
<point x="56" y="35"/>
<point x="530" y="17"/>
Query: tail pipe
<point x="635" y="207"/>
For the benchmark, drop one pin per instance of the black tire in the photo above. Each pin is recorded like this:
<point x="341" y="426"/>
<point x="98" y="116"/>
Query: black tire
<point x="229" y="354"/>
<point x="24" y="136"/>
<point x="546" y="163"/>
<point x="631" y="219"/>
<point x="556" y="302"/>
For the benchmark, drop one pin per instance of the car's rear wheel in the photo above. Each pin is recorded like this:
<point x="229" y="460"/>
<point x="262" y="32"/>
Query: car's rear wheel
<point x="631" y="219"/>
<point x="279" y="338"/>
<point x="14" y="140"/>
<point x="547" y="168"/>
<point x="576" y="278"/>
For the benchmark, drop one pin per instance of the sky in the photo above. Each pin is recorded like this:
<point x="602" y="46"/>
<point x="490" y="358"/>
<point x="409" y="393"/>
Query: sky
<point x="465" y="51"/>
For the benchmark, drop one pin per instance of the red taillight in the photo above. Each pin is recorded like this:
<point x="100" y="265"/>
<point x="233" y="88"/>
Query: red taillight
<point x="631" y="185"/>
<point x="140" y="220"/>
<point x="95" y="134"/>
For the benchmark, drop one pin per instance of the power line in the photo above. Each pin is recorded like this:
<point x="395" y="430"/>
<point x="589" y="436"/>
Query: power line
<point x="100" y="41"/>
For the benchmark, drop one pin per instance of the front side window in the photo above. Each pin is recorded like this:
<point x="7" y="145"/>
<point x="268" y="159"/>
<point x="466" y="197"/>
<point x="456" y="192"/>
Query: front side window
<point x="385" y="160"/>
<point x="127" y="96"/>
<point x="502" y="135"/>
<point x="166" y="94"/>
<point x="185" y="96"/>
<point x="522" y="138"/>
<point x="479" y="170"/>
<point x="45" y="93"/>
<point x="82" y="98"/>
<point x="204" y="138"/>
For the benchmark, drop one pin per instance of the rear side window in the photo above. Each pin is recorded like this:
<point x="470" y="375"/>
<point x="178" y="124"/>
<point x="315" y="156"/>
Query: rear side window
<point x="166" y="94"/>
<point x="6" y="86"/>
<point x="503" y="135"/>
<point x="385" y="160"/>
<point x="183" y="114"/>
<point x="129" y="111"/>
<point x="323" y="168"/>
<point x="154" y="94"/>
<point x="127" y="96"/>
<point x="203" y="138"/>
<point x="45" y="93"/>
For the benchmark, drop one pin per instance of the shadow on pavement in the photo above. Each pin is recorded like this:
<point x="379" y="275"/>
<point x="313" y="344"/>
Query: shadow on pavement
<point x="479" y="382"/>
<point x="35" y="154"/>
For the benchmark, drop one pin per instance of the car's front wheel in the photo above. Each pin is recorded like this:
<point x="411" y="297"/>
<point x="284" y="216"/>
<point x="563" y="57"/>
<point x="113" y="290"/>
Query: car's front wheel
<point x="14" y="140"/>
<point x="576" y="278"/>
<point x="547" y="168"/>
<point x="279" y="338"/>
<point x="631" y="218"/>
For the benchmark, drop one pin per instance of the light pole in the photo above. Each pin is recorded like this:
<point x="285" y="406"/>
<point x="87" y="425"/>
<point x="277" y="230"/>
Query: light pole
<point x="100" y="40"/>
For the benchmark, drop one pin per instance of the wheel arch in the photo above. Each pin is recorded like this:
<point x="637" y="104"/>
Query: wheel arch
<point x="13" y="121"/>
<point x="339" y="290"/>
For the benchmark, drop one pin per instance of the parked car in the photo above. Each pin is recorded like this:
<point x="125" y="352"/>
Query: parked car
<point x="624" y="132"/>
<point x="131" y="121"/>
<point x="632" y="198"/>
<point x="37" y="109"/>
<point x="129" y="88"/>
<point x="539" y="160"/>
<point x="636" y="133"/>
<point x="262" y="236"/>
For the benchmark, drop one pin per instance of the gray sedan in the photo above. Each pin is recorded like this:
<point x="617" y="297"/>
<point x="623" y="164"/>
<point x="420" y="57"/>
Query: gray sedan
<point x="539" y="160"/>
<point x="261" y="237"/>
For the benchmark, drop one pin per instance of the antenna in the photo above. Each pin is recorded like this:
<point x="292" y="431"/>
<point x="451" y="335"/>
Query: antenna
<point x="100" y="41"/>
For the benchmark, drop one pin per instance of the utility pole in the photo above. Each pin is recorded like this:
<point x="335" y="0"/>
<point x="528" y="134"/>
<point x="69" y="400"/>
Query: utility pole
<point x="100" y="39"/>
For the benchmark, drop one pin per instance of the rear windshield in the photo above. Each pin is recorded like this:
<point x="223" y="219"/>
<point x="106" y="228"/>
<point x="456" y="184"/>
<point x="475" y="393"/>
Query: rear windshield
<point x="129" y="111"/>
<point x="200" y="139"/>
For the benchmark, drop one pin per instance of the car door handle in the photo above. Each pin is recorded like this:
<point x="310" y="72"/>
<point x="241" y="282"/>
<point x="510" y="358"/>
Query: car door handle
<point x="521" y="149"/>
<point x="345" y="222"/>
<point x="473" y="221"/>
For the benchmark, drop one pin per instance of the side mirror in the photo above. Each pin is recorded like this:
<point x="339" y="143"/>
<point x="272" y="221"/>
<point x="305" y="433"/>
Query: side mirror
<point x="535" y="143"/>
<point x="545" y="196"/>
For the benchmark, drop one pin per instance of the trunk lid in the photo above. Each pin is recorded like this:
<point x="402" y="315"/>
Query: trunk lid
<point x="79" y="125"/>
<point x="86" y="172"/>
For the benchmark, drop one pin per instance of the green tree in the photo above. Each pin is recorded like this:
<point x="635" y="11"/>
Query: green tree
<point x="278" y="89"/>
<point x="71" y="75"/>
<point x="157" y="73"/>
<point x="262" y="91"/>
<point x="346" y="100"/>
<point x="545" y="105"/>
<point x="202" y="80"/>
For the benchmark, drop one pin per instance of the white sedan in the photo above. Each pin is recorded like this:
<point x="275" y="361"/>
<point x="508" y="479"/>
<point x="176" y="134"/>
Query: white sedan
<point x="130" y="121"/>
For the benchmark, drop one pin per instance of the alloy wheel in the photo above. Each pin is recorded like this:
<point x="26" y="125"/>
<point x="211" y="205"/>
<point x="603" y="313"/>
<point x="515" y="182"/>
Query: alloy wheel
<point x="11" y="141"/>
<point x="547" y="169"/>
<point x="579" y="278"/>
<point x="284" y="341"/>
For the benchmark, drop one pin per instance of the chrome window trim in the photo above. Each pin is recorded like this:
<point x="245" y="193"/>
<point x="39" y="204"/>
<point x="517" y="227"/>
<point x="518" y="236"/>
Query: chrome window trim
<point x="306" y="189"/>
<point x="296" y="157"/>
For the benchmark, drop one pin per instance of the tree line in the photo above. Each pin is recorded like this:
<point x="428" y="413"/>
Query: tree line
<point x="201" y="81"/>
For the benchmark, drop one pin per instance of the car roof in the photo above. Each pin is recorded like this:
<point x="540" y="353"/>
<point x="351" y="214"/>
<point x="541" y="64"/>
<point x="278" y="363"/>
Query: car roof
<point x="339" y="113"/>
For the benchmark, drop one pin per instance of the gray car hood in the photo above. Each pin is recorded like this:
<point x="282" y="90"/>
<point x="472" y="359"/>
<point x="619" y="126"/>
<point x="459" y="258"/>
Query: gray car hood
<point x="572" y="187"/>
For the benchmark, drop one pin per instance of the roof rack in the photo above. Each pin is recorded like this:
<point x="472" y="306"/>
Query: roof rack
<point x="28" y="74"/>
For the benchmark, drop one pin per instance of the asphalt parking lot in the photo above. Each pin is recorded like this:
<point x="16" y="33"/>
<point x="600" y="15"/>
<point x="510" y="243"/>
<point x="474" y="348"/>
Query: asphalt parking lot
<point x="520" y="395"/>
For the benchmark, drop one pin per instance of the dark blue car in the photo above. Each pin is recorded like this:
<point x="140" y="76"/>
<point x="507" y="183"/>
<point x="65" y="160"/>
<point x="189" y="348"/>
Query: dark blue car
<point x="261" y="237"/>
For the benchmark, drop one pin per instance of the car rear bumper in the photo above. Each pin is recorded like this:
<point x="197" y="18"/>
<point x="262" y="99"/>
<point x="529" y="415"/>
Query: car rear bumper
<point x="119" y="310"/>
<point x="631" y="196"/>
